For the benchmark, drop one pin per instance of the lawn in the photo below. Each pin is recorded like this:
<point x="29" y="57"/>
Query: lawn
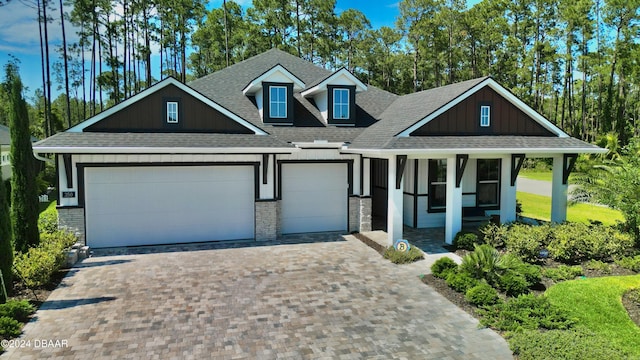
<point x="536" y="174"/>
<point x="539" y="207"/>
<point x="597" y="304"/>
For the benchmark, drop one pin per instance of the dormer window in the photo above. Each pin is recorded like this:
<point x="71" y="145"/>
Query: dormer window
<point x="278" y="102"/>
<point x="341" y="104"/>
<point x="485" y="116"/>
<point x="172" y="112"/>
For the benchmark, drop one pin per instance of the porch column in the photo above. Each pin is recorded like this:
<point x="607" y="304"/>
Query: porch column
<point x="394" y="207"/>
<point x="453" y="215"/>
<point x="507" y="192"/>
<point x="558" y="191"/>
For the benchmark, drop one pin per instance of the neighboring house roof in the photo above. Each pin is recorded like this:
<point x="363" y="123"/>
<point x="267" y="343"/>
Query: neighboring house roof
<point x="158" y="142"/>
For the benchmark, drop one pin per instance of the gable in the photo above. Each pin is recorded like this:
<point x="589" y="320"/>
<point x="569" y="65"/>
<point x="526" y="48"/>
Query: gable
<point x="148" y="115"/>
<point x="464" y="118"/>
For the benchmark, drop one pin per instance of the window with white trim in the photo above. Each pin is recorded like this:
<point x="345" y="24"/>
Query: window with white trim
<point x="341" y="104"/>
<point x="485" y="115"/>
<point x="437" y="185"/>
<point x="172" y="112"/>
<point x="488" y="187"/>
<point x="278" y="102"/>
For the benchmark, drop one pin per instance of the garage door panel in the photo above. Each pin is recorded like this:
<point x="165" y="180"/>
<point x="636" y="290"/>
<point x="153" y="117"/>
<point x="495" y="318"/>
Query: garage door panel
<point x="314" y="197"/>
<point x="155" y="205"/>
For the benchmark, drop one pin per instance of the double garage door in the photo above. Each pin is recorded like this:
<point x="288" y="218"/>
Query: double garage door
<point x="147" y="205"/>
<point x="129" y="206"/>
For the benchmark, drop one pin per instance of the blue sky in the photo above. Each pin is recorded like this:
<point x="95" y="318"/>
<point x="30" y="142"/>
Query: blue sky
<point x="19" y="32"/>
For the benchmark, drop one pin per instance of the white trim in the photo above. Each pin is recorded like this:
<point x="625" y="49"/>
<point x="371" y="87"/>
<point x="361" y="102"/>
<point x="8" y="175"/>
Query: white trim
<point x="177" y="111"/>
<point x="497" y="151"/>
<point x="501" y="91"/>
<point x="318" y="144"/>
<point x="160" y="85"/>
<point x="333" y="111"/>
<point x="256" y="84"/>
<point x="159" y="150"/>
<point x="322" y="86"/>
<point x="271" y="101"/>
<point x="488" y="108"/>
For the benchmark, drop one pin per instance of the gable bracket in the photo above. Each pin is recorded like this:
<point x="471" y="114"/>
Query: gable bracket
<point x="516" y="163"/>
<point x="568" y="163"/>
<point x="401" y="162"/>
<point x="265" y="168"/>
<point x="461" y="164"/>
<point x="66" y="158"/>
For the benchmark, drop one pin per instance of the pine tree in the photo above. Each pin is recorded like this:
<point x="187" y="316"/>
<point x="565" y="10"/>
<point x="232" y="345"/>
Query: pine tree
<point x="24" y="197"/>
<point x="6" y="247"/>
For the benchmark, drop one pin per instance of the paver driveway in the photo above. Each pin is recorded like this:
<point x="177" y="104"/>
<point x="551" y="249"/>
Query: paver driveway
<point x="335" y="300"/>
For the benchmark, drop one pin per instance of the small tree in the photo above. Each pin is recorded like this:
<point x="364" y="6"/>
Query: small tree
<point x="6" y="246"/>
<point x="24" y="196"/>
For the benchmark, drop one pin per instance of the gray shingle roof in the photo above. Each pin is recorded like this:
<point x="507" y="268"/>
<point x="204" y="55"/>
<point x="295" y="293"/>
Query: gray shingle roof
<point x="488" y="142"/>
<point x="409" y="109"/>
<point x="158" y="140"/>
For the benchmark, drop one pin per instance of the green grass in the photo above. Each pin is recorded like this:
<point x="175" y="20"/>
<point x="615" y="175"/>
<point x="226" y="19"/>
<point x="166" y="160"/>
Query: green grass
<point x="539" y="207"/>
<point x="597" y="305"/>
<point x="536" y="174"/>
<point x="47" y="206"/>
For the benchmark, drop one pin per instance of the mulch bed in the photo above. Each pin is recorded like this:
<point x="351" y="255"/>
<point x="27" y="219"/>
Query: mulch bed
<point x="633" y="308"/>
<point x="39" y="295"/>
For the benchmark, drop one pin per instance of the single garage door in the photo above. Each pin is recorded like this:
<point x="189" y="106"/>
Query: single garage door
<point x="314" y="197"/>
<point x="128" y="206"/>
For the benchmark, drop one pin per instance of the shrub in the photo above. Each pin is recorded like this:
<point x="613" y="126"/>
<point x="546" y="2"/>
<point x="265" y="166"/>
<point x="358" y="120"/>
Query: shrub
<point x="403" y="257"/>
<point x="525" y="241"/>
<point x="17" y="309"/>
<point x="442" y="267"/>
<point x="48" y="221"/>
<point x="36" y="266"/>
<point x="598" y="265"/>
<point x="560" y="344"/>
<point x="494" y="235"/>
<point x="531" y="273"/>
<point x="465" y="240"/>
<point x="526" y="312"/>
<point x="576" y="242"/>
<point x="461" y="282"/>
<point x="9" y="328"/>
<point x="514" y="284"/>
<point x="563" y="272"/>
<point x="628" y="262"/>
<point x="486" y="263"/>
<point x="634" y="295"/>
<point x="482" y="295"/>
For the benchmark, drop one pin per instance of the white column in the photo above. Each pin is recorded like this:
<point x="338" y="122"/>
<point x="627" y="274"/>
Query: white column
<point x="453" y="216"/>
<point x="558" y="191"/>
<point x="507" y="193"/>
<point x="394" y="207"/>
<point x="366" y="177"/>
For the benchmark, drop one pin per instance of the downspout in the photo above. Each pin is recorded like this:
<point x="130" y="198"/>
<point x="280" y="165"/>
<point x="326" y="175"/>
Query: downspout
<point x="41" y="158"/>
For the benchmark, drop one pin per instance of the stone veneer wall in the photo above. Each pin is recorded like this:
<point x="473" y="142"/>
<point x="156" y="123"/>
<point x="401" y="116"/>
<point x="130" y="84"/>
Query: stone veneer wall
<point x="72" y="219"/>
<point x="365" y="214"/>
<point x="267" y="223"/>
<point x="354" y="213"/>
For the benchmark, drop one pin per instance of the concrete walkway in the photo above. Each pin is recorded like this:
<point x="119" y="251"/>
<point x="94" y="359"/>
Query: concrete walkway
<point x="333" y="299"/>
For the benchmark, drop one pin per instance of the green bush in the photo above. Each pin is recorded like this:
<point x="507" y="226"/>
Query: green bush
<point x="628" y="262"/>
<point x="513" y="283"/>
<point x="563" y="272"/>
<point x="36" y="266"/>
<point x="532" y="273"/>
<point x="577" y="242"/>
<point x="17" y="309"/>
<point x="482" y="295"/>
<point x="562" y="344"/>
<point x="598" y="265"/>
<point x="525" y="241"/>
<point x="486" y="263"/>
<point x="634" y="295"/>
<point x="48" y="221"/>
<point x="465" y="240"/>
<point x="494" y="235"/>
<point x="403" y="257"/>
<point x="9" y="327"/>
<point x="525" y="312"/>
<point x="442" y="267"/>
<point x="461" y="282"/>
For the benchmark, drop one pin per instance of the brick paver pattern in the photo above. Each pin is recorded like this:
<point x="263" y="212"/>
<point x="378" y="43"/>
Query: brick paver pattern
<point x="332" y="299"/>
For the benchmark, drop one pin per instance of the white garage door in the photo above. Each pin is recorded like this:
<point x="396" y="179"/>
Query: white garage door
<point x="127" y="206"/>
<point x="314" y="197"/>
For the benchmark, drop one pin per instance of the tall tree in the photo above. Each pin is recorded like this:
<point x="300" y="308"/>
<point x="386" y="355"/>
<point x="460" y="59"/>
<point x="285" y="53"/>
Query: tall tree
<point x="24" y="196"/>
<point x="6" y="247"/>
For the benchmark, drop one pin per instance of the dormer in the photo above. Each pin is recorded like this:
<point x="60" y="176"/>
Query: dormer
<point x="273" y="91"/>
<point x="335" y="97"/>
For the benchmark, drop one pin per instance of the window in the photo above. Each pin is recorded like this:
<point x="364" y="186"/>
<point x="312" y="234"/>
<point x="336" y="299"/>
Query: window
<point x="172" y="112"/>
<point x="437" y="185"/>
<point x="488" y="187"/>
<point x="485" y="115"/>
<point x="341" y="104"/>
<point x="278" y="102"/>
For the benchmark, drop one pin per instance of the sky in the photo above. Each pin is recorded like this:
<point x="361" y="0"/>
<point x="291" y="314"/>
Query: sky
<point x="19" y="32"/>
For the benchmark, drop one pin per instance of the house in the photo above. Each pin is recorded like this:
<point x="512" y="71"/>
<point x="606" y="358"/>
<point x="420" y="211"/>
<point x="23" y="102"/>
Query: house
<point x="276" y="145"/>
<point x="5" y="146"/>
